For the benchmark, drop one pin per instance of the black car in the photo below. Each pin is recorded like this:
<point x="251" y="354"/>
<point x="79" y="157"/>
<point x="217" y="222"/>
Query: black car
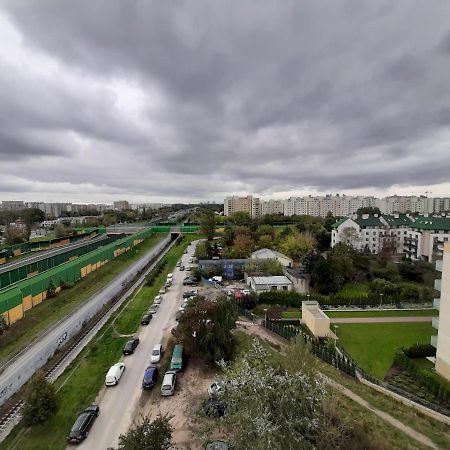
<point x="146" y="319"/>
<point x="130" y="346"/>
<point x="83" y="424"/>
<point x="150" y="375"/>
<point x="188" y="294"/>
<point x="190" y="282"/>
<point x="214" y="408"/>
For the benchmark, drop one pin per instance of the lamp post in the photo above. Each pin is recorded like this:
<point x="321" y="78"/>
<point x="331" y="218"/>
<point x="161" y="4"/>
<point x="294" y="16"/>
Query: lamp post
<point x="381" y="299"/>
<point x="335" y="336"/>
<point x="265" y="315"/>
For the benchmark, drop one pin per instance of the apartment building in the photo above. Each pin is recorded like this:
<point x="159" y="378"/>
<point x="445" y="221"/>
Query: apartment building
<point x="13" y="204"/>
<point x="271" y="207"/>
<point x="416" y="237"/>
<point x="248" y="204"/>
<point x="121" y="205"/>
<point x="442" y="322"/>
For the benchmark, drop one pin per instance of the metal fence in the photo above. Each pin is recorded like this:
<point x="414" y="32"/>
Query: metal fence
<point x="344" y="362"/>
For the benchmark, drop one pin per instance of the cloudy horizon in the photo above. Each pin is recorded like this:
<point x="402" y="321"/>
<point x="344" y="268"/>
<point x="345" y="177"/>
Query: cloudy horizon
<point x="193" y="101"/>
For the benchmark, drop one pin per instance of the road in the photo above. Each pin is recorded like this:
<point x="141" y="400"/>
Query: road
<point x="48" y="253"/>
<point x="118" y="404"/>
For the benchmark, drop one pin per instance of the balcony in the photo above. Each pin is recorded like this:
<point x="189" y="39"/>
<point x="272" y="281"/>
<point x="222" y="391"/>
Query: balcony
<point x="435" y="323"/>
<point x="434" y="341"/>
<point x="437" y="285"/>
<point x="437" y="303"/>
<point x="439" y="265"/>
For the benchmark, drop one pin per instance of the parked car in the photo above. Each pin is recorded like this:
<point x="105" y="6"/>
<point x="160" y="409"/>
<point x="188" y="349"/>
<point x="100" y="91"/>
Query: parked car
<point x="114" y="373"/>
<point x="192" y="293"/>
<point x="214" y="408"/>
<point x="245" y="291"/>
<point x="158" y="300"/>
<point x="157" y="352"/>
<point x="181" y="267"/>
<point x="146" y="319"/>
<point x="178" y="264"/>
<point x="167" y="284"/>
<point x="169" y="382"/>
<point x="176" y="362"/>
<point x="130" y="346"/>
<point x="170" y="276"/>
<point x="150" y="376"/>
<point x="217" y="445"/>
<point x="184" y="305"/>
<point x="153" y="309"/>
<point x="214" y="389"/>
<point x="188" y="268"/>
<point x="191" y="259"/>
<point x="162" y="291"/>
<point x="190" y="282"/>
<point x="83" y="424"/>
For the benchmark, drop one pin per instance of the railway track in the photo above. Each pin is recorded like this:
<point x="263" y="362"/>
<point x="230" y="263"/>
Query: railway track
<point x="13" y="414"/>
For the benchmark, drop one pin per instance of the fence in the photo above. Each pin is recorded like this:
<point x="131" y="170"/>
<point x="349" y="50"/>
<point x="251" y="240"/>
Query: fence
<point x="344" y="362"/>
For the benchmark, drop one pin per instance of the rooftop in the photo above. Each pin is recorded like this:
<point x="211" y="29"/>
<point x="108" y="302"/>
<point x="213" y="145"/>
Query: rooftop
<point x="274" y="280"/>
<point x="267" y="253"/>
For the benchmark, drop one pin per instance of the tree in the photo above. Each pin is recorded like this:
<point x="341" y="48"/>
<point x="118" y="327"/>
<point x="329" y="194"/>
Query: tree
<point x="240" y="218"/>
<point x="273" y="267"/>
<point x="368" y="210"/>
<point x="207" y="223"/>
<point x="41" y="402"/>
<point x="265" y="241"/>
<point x="243" y="245"/>
<point x="265" y="230"/>
<point x="268" y="408"/>
<point x="14" y="236"/>
<point x="350" y="236"/>
<point x="297" y="245"/>
<point x="3" y="324"/>
<point x="205" y="329"/>
<point x="148" y="435"/>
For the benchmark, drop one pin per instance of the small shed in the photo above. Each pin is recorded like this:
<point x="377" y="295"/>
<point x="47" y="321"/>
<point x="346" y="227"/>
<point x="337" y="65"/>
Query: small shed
<point x="274" y="283"/>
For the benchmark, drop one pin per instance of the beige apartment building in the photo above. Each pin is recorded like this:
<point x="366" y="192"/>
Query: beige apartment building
<point x="442" y="323"/>
<point x="248" y="204"/>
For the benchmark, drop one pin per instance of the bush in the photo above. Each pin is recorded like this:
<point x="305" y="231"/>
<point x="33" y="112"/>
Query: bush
<point x="420" y="351"/>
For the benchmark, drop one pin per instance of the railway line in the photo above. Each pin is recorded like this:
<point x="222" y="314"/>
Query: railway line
<point x="89" y="321"/>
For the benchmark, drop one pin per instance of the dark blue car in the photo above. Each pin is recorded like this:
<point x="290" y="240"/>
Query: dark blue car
<point x="150" y="375"/>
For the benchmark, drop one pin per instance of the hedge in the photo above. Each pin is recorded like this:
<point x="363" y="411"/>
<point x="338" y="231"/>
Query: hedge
<point x="423" y="377"/>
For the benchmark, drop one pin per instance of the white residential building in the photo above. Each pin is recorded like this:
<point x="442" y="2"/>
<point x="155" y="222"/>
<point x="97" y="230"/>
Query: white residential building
<point x="442" y="323"/>
<point x="248" y="204"/>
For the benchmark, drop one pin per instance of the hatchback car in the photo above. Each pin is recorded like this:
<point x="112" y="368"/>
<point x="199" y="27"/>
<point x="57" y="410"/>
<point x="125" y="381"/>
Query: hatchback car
<point x="150" y="376"/>
<point x="168" y="384"/>
<point x="157" y="352"/>
<point x="130" y="346"/>
<point x="146" y="319"/>
<point x="153" y="309"/>
<point x="83" y="424"/>
<point x="158" y="300"/>
<point x="181" y="267"/>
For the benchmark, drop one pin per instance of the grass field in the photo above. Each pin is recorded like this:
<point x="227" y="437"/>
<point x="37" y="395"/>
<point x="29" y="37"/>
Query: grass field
<point x="84" y="378"/>
<point x="355" y="289"/>
<point x="373" y="345"/>
<point x="406" y="313"/>
<point x="40" y="317"/>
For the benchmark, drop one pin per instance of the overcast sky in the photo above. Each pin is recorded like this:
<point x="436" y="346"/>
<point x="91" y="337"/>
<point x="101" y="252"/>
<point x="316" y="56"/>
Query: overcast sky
<point x="187" y="100"/>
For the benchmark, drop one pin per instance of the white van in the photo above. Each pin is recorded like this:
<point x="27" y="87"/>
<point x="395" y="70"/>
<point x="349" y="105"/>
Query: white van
<point x="114" y="374"/>
<point x="156" y="354"/>
<point x="170" y="277"/>
<point x="168" y="384"/>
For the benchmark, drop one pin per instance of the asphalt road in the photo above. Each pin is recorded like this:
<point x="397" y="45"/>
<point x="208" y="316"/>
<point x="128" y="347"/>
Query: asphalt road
<point x="119" y="403"/>
<point x="47" y="253"/>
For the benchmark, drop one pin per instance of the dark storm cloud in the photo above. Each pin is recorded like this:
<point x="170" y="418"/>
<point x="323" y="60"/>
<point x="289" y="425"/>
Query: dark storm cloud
<point x="250" y="96"/>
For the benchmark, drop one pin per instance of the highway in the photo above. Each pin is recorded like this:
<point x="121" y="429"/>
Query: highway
<point x="17" y="371"/>
<point x="119" y="403"/>
<point x="47" y="253"/>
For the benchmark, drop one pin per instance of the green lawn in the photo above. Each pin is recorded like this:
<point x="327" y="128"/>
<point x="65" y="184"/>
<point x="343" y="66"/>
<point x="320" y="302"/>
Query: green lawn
<point x="43" y="238"/>
<point x="373" y="345"/>
<point x="416" y="313"/>
<point x="84" y="378"/>
<point x="49" y="311"/>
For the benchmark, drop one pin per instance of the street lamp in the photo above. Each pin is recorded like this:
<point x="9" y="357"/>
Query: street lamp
<point x="381" y="299"/>
<point x="335" y="336"/>
<point x="265" y="314"/>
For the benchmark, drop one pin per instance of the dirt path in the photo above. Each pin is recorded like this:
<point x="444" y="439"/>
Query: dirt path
<point x="380" y="319"/>
<point x="192" y="384"/>
<point x="258" y="330"/>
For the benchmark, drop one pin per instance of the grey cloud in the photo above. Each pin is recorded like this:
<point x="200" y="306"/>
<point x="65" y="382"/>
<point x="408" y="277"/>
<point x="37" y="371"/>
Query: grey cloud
<point x="272" y="96"/>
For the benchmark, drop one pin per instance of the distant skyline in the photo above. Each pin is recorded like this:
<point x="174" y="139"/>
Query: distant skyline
<point x="193" y="101"/>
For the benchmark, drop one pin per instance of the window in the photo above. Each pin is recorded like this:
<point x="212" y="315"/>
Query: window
<point x="285" y="288"/>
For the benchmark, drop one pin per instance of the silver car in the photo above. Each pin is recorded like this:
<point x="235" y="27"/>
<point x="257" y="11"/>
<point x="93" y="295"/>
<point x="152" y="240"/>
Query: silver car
<point x="168" y="384"/>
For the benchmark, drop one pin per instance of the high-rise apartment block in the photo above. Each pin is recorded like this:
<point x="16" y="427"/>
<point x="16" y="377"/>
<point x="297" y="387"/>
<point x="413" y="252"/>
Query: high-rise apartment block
<point x="442" y="323"/>
<point x="337" y="205"/>
<point x="121" y="205"/>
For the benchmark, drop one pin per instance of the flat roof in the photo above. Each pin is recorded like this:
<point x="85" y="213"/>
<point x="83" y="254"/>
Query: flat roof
<point x="279" y="279"/>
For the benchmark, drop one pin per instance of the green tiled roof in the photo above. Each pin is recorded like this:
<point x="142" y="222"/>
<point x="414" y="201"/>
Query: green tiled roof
<point x="371" y="221"/>
<point x="402" y="219"/>
<point x="432" y="223"/>
<point x="336" y="224"/>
